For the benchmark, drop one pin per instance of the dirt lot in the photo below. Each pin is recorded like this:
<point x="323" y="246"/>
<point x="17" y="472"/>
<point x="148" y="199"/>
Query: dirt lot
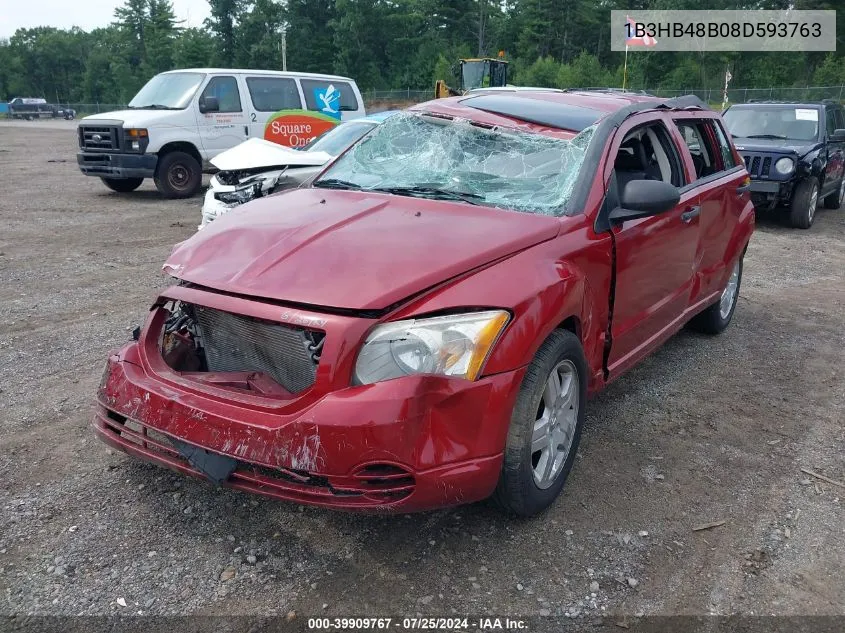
<point x="708" y="429"/>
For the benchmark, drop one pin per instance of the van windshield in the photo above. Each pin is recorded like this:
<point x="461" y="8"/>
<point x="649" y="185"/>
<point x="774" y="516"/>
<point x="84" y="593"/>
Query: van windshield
<point x="170" y="91"/>
<point x="452" y="159"/>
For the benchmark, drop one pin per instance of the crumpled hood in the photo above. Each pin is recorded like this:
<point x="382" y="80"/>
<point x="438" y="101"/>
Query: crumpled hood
<point x="775" y="145"/>
<point x="350" y="249"/>
<point x="257" y="153"/>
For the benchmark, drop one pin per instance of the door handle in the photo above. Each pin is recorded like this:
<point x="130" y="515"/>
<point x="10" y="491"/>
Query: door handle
<point x="742" y="189"/>
<point x="691" y="213"/>
<point x="246" y="130"/>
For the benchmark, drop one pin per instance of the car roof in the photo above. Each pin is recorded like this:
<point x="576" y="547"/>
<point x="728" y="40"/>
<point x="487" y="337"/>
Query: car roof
<point x="570" y="110"/>
<point x="272" y="73"/>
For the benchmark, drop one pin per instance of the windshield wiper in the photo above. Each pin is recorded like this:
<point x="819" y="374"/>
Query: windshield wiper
<point x="336" y="183"/>
<point x="777" y="136"/>
<point x="434" y="193"/>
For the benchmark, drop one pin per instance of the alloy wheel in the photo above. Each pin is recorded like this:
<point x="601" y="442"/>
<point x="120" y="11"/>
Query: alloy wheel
<point x="555" y="424"/>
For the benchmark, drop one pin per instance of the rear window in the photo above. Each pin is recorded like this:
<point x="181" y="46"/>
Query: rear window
<point x="311" y="87"/>
<point x="271" y="94"/>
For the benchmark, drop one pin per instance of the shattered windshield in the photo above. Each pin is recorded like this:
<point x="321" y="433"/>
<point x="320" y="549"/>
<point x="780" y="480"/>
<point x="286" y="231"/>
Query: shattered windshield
<point x="424" y="156"/>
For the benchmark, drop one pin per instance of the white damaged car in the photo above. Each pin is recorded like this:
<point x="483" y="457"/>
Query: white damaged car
<point x="257" y="168"/>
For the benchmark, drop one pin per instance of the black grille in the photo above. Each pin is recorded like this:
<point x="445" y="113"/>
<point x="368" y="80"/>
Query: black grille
<point x="237" y="343"/>
<point x="98" y="137"/>
<point x="758" y="166"/>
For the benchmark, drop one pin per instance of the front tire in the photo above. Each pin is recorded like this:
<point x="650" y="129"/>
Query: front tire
<point x="178" y="175"/>
<point x="718" y="316"/>
<point x="802" y="211"/>
<point x="122" y="185"/>
<point x="545" y="427"/>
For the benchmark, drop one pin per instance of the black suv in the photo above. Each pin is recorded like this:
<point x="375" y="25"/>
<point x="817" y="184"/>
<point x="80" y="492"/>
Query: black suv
<point x="794" y="153"/>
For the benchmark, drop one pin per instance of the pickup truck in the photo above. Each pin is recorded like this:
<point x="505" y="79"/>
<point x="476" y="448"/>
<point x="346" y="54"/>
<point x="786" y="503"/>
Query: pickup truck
<point x="422" y="326"/>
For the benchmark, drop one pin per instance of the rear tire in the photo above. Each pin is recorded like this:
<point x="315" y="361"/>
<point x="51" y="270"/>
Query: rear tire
<point x="718" y="316"/>
<point x="543" y="440"/>
<point x="178" y="175"/>
<point x="122" y="185"/>
<point x="805" y="199"/>
<point x="833" y="200"/>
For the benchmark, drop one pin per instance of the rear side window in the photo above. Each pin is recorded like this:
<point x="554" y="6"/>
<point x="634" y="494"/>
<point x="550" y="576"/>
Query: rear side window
<point x="700" y="145"/>
<point x="728" y="160"/>
<point x="225" y="89"/>
<point x="271" y="94"/>
<point x="312" y="87"/>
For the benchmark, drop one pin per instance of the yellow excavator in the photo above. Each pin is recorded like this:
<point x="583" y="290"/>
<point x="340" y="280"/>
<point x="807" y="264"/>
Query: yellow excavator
<point x="486" y="72"/>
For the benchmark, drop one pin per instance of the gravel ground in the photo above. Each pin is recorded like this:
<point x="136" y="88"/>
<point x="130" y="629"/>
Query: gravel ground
<point x="705" y="430"/>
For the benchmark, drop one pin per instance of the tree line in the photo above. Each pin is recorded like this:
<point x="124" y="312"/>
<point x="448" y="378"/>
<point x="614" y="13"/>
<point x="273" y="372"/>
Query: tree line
<point x="389" y="44"/>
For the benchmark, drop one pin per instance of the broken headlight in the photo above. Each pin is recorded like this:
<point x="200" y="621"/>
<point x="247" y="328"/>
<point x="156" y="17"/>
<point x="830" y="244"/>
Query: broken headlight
<point x="242" y="194"/>
<point x="455" y="345"/>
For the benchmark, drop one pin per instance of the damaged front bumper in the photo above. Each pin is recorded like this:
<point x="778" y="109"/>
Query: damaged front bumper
<point x="408" y="444"/>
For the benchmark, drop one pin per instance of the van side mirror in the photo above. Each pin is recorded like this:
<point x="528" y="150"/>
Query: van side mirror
<point x="645" y="198"/>
<point x="209" y="104"/>
<point x="838" y="136"/>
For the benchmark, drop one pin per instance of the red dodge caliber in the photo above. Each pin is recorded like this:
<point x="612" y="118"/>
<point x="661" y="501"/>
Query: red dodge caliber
<point x="423" y="324"/>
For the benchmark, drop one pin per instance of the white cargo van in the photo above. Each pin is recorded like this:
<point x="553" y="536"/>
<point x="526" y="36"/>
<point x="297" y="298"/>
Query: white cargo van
<point x="183" y="118"/>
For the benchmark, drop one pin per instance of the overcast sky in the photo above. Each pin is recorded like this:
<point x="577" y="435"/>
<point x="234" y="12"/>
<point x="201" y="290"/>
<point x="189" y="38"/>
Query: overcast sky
<point x="86" y="14"/>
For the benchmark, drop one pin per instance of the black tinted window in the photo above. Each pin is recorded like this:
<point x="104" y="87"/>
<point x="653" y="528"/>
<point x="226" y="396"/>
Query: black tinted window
<point x="271" y="94"/>
<point x="310" y="87"/>
<point x="225" y="89"/>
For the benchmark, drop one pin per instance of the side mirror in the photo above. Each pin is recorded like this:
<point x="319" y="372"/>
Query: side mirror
<point x="838" y="136"/>
<point x="209" y="104"/>
<point x="644" y="198"/>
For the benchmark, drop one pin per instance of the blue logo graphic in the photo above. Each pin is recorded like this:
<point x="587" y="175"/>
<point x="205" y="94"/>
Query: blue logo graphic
<point x="328" y="101"/>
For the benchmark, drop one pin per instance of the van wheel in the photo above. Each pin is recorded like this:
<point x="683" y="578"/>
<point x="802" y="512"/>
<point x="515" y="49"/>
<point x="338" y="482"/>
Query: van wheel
<point x="122" y="185"/>
<point x="545" y="427"/>
<point x="716" y="318"/>
<point x="802" y="211"/>
<point x="178" y="175"/>
<point x="833" y="200"/>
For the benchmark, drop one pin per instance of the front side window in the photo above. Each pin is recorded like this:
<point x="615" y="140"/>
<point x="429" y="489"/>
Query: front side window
<point x="647" y="153"/>
<point x="419" y="155"/>
<point x="168" y="91"/>
<point x="831" y="121"/>
<point x="312" y="88"/>
<point x="773" y="122"/>
<point x="225" y="90"/>
<point x="271" y="94"/>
